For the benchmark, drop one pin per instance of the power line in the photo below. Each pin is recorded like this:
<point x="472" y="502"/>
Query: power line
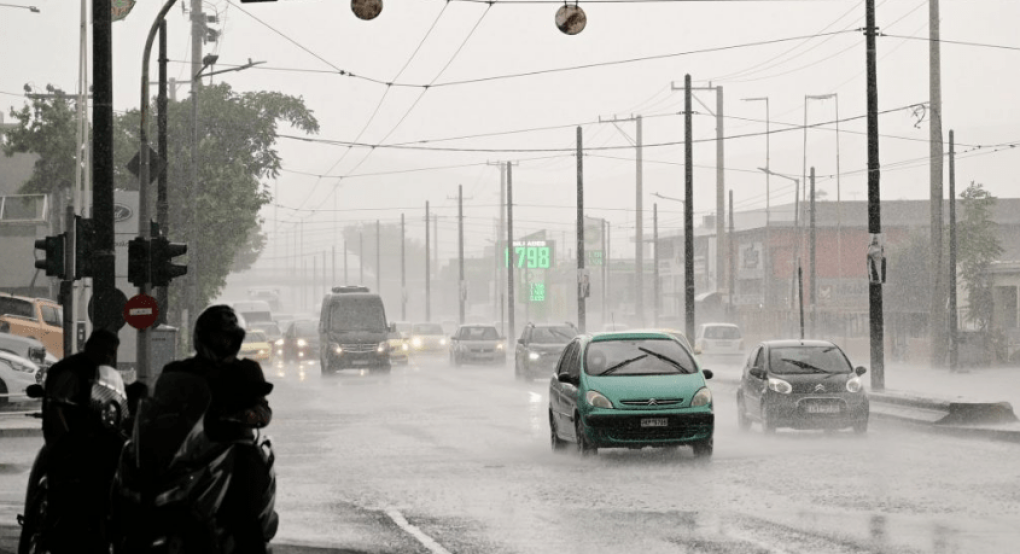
<point x="956" y="42"/>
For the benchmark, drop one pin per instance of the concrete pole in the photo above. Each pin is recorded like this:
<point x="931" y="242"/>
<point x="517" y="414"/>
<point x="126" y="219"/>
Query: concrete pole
<point x="938" y="282"/>
<point x="582" y="290"/>
<point x="639" y="238"/>
<point x="510" y="309"/>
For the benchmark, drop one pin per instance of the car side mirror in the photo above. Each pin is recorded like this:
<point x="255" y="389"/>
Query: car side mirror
<point x="34" y="391"/>
<point x="860" y="370"/>
<point x="757" y="372"/>
<point x="708" y="373"/>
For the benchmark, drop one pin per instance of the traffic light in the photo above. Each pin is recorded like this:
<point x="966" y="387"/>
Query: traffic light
<point x="163" y="268"/>
<point x="84" y="247"/>
<point x="53" y="255"/>
<point x="138" y="261"/>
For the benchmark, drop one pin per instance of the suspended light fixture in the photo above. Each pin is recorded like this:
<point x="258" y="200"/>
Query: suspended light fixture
<point x="570" y="20"/>
<point x="366" y="9"/>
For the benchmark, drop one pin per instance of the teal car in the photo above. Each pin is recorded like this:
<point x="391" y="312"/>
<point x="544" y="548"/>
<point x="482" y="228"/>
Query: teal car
<point x="630" y="390"/>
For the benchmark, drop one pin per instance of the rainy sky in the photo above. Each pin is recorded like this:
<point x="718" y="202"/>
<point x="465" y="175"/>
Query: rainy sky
<point x="475" y="83"/>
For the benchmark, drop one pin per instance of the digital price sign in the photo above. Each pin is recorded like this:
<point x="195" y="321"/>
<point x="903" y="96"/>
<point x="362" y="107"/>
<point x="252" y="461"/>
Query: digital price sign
<point x="531" y="254"/>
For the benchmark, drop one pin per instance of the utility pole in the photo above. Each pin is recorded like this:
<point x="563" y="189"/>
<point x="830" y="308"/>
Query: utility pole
<point x="378" y="259"/>
<point x="462" y="291"/>
<point x="583" y="281"/>
<point x="876" y="323"/>
<point x="655" y="264"/>
<point x="162" y="201"/>
<point x="766" y="253"/>
<point x="639" y="254"/>
<point x="953" y="335"/>
<point x="197" y="34"/>
<point x="345" y="263"/>
<point x="361" y="257"/>
<point x="333" y="274"/>
<point x="605" y="271"/>
<point x="688" y="208"/>
<point x="811" y="259"/>
<point x="428" y="267"/>
<point x="731" y="242"/>
<point x="403" y="271"/>
<point x="938" y="288"/>
<point x="720" y="178"/>
<point x="510" y="306"/>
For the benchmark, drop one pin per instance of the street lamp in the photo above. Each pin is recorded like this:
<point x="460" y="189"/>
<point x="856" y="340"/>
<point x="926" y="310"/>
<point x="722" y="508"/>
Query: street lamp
<point x="32" y="9"/>
<point x="796" y="182"/>
<point x="766" y="284"/>
<point x="839" y="203"/>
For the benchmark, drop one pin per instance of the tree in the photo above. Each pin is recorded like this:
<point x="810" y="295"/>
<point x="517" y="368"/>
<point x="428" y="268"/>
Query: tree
<point x="978" y="247"/>
<point x="46" y="126"/>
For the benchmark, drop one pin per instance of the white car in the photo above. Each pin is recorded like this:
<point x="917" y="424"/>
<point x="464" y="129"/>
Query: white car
<point x="16" y="374"/>
<point x="722" y="340"/>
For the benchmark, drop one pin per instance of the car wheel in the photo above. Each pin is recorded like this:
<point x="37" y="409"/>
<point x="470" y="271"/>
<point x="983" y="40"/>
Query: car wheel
<point x="584" y="448"/>
<point x="558" y="444"/>
<point x="743" y="422"/>
<point x="3" y="391"/>
<point x="703" y="449"/>
<point x="768" y="422"/>
<point x="861" y="426"/>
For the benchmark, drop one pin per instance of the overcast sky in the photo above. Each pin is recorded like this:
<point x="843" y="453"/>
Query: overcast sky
<point x="503" y="67"/>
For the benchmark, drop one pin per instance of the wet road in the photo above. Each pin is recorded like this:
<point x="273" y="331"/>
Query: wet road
<point x="440" y="459"/>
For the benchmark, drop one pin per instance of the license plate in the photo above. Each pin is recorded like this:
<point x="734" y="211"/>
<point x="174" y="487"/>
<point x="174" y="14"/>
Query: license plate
<point x="655" y="422"/>
<point x="822" y="409"/>
<point x="359" y="362"/>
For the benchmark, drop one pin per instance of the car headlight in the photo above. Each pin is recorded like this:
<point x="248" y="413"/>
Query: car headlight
<point x="499" y="346"/>
<point x="336" y="348"/>
<point x="596" y="399"/>
<point x="279" y="342"/>
<point x="416" y="341"/>
<point x="302" y="342"/>
<point x="854" y="384"/>
<point x="702" y="398"/>
<point x="404" y="346"/>
<point x="383" y="347"/>
<point x="780" y="386"/>
<point x="533" y="356"/>
<point x="442" y="342"/>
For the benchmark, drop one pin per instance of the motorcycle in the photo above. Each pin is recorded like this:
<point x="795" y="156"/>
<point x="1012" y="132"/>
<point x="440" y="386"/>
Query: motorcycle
<point x="51" y="486"/>
<point x="168" y="492"/>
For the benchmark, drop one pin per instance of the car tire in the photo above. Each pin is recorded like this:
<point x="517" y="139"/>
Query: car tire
<point x="768" y="422"/>
<point x="703" y="449"/>
<point x="861" y="426"/>
<point x="3" y="391"/>
<point x="558" y="444"/>
<point x="743" y="422"/>
<point x="584" y="448"/>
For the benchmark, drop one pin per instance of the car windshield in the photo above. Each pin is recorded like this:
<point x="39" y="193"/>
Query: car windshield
<point x="793" y="360"/>
<point x="428" y="329"/>
<point x="559" y="334"/>
<point x="271" y="330"/>
<point x="305" y="328"/>
<point x="358" y="314"/>
<point x="478" y="333"/>
<point x="637" y="357"/>
<point x="722" y="332"/>
<point x="404" y="327"/>
<point x="255" y="336"/>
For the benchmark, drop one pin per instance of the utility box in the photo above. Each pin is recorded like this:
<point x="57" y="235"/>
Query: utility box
<point x="164" y="349"/>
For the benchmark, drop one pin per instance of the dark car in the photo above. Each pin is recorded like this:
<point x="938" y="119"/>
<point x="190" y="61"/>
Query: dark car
<point x="539" y="347"/>
<point x="301" y="341"/>
<point x="802" y="384"/>
<point x="477" y="343"/>
<point x="354" y="332"/>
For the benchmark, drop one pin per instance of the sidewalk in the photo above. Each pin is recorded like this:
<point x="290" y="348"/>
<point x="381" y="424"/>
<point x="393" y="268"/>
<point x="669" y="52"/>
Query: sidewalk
<point x="992" y="384"/>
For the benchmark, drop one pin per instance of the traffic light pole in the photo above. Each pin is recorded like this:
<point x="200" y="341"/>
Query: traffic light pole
<point x="102" y="163"/>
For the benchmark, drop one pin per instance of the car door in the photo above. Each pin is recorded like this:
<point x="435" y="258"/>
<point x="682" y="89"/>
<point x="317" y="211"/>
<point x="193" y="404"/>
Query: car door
<point x="752" y="386"/>
<point x="566" y="400"/>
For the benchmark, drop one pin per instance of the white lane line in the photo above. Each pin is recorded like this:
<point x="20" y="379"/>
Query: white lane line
<point x="426" y="540"/>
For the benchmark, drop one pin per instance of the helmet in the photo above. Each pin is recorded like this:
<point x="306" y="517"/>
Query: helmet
<point x="218" y="333"/>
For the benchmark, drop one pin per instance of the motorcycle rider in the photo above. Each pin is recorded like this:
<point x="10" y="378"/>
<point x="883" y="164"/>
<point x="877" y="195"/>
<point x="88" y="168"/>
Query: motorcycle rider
<point x="80" y="455"/>
<point x="229" y="395"/>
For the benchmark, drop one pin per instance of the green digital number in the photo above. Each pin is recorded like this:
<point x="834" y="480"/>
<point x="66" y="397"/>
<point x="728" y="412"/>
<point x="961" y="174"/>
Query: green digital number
<point x="543" y="257"/>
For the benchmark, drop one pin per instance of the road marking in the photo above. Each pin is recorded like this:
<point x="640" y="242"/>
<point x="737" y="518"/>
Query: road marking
<point x="426" y="540"/>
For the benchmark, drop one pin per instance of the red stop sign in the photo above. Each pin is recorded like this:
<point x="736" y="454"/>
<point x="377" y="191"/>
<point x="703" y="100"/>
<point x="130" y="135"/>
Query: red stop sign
<point x="141" y="311"/>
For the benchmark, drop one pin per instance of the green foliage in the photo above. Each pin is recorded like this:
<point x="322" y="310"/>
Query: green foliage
<point x="47" y="127"/>
<point x="978" y="247"/>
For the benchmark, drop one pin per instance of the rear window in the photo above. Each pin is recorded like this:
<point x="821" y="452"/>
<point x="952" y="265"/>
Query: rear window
<point x="16" y="306"/>
<point x="428" y="329"/>
<point x="357" y="313"/>
<point x="305" y="328"/>
<point x="560" y="334"/>
<point x="637" y="357"/>
<point x="722" y="332"/>
<point x="479" y="333"/>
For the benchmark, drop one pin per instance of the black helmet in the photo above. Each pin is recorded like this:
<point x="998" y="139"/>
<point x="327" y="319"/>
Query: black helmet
<point x="217" y="333"/>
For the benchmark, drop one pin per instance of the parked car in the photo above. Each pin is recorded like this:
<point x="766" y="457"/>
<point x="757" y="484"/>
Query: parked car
<point x="630" y="390"/>
<point x="16" y="374"/>
<point x="34" y="318"/>
<point x="27" y="348"/>
<point x="300" y="342"/>
<point x="428" y="338"/>
<point x="539" y="347"/>
<point x="256" y="346"/>
<point x="477" y="343"/>
<point x="719" y="340"/>
<point x="803" y="384"/>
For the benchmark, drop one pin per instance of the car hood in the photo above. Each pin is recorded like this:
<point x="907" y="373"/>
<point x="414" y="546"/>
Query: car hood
<point x="809" y="382"/>
<point x="642" y="387"/>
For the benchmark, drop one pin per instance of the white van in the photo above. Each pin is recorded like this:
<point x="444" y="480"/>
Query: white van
<point x="253" y="311"/>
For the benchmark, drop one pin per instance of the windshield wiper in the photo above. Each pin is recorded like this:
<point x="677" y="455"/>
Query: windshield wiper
<point x="665" y="358"/>
<point x="805" y="365"/>
<point x="623" y="363"/>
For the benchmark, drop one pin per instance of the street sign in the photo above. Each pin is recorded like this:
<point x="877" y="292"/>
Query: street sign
<point x="141" y="311"/>
<point x="156" y="164"/>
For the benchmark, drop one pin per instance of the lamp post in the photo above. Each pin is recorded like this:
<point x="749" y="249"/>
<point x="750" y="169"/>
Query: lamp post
<point x="796" y="255"/>
<point x="766" y="258"/>
<point x="32" y="9"/>
<point x="839" y="202"/>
